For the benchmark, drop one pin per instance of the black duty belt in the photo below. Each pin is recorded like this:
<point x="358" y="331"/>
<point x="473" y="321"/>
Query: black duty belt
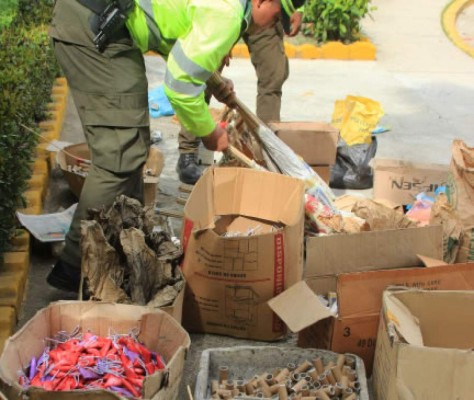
<point x="108" y="21"/>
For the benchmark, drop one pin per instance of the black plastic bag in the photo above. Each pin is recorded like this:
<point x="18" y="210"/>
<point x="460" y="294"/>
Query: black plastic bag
<point x="352" y="169"/>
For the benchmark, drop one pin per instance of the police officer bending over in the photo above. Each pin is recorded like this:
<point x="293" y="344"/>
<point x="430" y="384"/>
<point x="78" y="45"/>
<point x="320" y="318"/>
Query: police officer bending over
<point x="99" y="45"/>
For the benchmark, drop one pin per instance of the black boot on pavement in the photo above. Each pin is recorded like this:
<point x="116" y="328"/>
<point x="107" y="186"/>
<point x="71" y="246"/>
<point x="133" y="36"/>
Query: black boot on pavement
<point x="65" y="277"/>
<point x="188" y="168"/>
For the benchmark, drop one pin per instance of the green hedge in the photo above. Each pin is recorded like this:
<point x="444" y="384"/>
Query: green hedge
<point x="27" y="72"/>
<point x="335" y="20"/>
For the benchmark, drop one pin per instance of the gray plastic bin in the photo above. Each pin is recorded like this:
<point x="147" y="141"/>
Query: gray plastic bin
<point x="247" y="361"/>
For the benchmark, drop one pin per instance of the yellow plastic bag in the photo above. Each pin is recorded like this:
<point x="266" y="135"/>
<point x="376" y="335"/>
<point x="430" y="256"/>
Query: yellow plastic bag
<point x="356" y="117"/>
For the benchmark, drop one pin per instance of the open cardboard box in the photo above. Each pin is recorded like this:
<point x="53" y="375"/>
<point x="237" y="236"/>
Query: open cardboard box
<point x="359" y="296"/>
<point x="69" y="157"/>
<point x="230" y="279"/>
<point x="158" y="331"/>
<point x="315" y="142"/>
<point x="400" y="181"/>
<point x="424" y="345"/>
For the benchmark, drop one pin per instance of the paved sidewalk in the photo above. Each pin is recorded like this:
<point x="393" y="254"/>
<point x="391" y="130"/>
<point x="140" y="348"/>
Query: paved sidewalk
<point x="424" y="83"/>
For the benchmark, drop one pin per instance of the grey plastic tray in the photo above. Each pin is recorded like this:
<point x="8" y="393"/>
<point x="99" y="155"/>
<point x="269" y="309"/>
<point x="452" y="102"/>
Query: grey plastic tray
<point x="247" y="361"/>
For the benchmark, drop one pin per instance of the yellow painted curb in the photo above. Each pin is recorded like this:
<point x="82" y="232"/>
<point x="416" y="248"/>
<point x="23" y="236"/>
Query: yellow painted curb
<point x="33" y="197"/>
<point x="20" y="242"/>
<point x="7" y="319"/>
<point x="16" y="261"/>
<point x="360" y="50"/>
<point x="448" y="21"/>
<point x="7" y="324"/>
<point x="39" y="181"/>
<point x="240" y="50"/>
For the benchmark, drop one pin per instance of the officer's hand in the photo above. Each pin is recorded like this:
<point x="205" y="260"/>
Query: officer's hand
<point x="217" y="140"/>
<point x="225" y="92"/>
<point x="295" y="22"/>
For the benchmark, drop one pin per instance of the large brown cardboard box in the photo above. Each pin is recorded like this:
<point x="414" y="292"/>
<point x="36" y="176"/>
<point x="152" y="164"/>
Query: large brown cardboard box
<point x="315" y="142"/>
<point x="359" y="299"/>
<point x="329" y="256"/>
<point x="400" y="181"/>
<point x="230" y="277"/>
<point x="158" y="331"/>
<point x="424" y="345"/>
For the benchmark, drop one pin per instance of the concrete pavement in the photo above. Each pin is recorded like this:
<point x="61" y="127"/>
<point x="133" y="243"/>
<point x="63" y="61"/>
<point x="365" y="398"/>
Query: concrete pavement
<point x="424" y="83"/>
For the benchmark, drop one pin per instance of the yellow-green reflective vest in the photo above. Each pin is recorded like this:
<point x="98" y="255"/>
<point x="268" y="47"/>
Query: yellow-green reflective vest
<point x="194" y="36"/>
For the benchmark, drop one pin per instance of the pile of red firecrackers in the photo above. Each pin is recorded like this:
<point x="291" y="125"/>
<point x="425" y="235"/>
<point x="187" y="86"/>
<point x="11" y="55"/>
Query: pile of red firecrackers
<point x="119" y="363"/>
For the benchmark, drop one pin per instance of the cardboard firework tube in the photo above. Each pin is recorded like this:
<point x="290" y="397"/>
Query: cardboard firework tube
<point x="295" y="377"/>
<point x="274" y="388"/>
<point x="269" y="379"/>
<point x="282" y="375"/>
<point x="223" y="373"/>
<point x="249" y="388"/>
<point x="299" y="385"/>
<point x="318" y="364"/>
<point x="329" y="365"/>
<point x="331" y="378"/>
<point x="330" y="390"/>
<point x="265" y="388"/>
<point x="240" y="383"/>
<point x="355" y="386"/>
<point x="322" y="394"/>
<point x="351" y="362"/>
<point x="336" y="373"/>
<point x="313" y="373"/>
<point x="347" y="392"/>
<point x="317" y="385"/>
<point x="291" y="366"/>
<point x="352" y="375"/>
<point x="345" y="381"/>
<point x="282" y="392"/>
<point x="323" y="379"/>
<point x="305" y="390"/>
<point x="229" y="384"/>
<point x="353" y="396"/>
<point x="303" y="367"/>
<point x="339" y="389"/>
<point x="224" y="393"/>
<point x="214" y="386"/>
<point x="341" y="361"/>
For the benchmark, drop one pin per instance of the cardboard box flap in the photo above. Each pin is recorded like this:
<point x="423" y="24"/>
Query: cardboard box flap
<point x="299" y="307"/>
<point x="427" y="373"/>
<point x="399" y="316"/>
<point x="429" y="262"/>
<point x="397" y="248"/>
<point x="242" y="191"/>
<point x="200" y="205"/>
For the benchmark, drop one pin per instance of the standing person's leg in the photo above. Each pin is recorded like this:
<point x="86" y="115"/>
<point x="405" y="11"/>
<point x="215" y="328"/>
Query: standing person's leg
<point x="188" y="145"/>
<point x="188" y="168"/>
<point x="110" y="94"/>
<point x="267" y="54"/>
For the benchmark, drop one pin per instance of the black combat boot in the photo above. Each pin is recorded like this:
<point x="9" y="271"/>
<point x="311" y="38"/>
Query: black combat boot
<point x="188" y="168"/>
<point x="65" y="277"/>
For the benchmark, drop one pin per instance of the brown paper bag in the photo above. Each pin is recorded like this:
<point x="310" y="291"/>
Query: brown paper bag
<point x="443" y="214"/>
<point x="460" y="192"/>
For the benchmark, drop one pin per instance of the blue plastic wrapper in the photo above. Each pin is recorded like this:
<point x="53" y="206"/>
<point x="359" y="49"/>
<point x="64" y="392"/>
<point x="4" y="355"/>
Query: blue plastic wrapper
<point x="159" y="103"/>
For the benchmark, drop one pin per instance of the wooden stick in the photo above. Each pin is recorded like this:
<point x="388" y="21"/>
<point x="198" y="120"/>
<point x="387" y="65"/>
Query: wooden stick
<point x="236" y="153"/>
<point x="189" y="393"/>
